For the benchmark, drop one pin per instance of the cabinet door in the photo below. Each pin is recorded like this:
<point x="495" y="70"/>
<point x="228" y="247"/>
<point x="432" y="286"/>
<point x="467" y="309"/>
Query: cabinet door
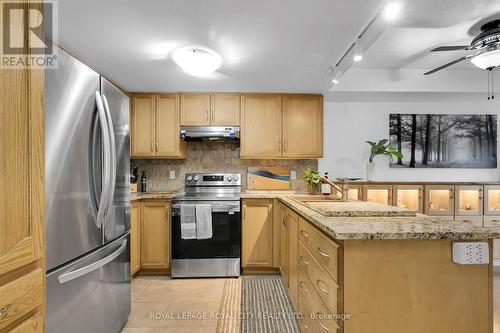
<point x="260" y="126"/>
<point x="302" y="126"/>
<point x="378" y="193"/>
<point x="168" y="141"/>
<point x="135" y="238"/>
<point x="491" y="200"/>
<point x="469" y="200"/>
<point x="155" y="235"/>
<point x="257" y="233"/>
<point x="408" y="196"/>
<point x="22" y="148"/>
<point x="225" y="110"/>
<point x="195" y="109"/>
<point x="142" y="120"/>
<point x="439" y="200"/>
<point x="293" y="255"/>
<point x="284" y="245"/>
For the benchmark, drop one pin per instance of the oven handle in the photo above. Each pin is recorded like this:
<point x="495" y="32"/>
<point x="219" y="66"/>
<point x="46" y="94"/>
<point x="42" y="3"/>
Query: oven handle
<point x="216" y="208"/>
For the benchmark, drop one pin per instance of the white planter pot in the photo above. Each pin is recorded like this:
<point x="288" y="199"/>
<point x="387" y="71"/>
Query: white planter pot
<point x="370" y="171"/>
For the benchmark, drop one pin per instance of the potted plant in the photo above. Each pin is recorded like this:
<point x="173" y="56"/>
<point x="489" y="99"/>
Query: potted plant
<point x="311" y="177"/>
<point x="379" y="148"/>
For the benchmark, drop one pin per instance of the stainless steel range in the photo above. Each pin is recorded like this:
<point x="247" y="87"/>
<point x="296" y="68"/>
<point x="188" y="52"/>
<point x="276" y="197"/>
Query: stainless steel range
<point x="216" y="255"/>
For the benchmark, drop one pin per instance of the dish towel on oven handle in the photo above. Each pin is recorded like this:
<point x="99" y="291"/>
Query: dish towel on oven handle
<point x="204" y="221"/>
<point x="188" y="221"/>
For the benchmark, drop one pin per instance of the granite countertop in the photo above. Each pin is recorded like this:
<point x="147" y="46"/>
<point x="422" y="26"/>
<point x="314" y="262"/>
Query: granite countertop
<point x="418" y="227"/>
<point x="155" y="195"/>
<point x="265" y="194"/>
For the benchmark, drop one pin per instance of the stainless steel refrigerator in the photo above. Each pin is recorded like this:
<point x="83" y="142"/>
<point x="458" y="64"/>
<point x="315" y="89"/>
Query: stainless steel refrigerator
<point x="87" y="200"/>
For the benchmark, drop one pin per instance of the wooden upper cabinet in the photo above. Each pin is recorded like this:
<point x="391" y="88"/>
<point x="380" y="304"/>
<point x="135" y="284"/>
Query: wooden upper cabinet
<point x="143" y="129"/>
<point x="257" y="231"/>
<point x="195" y="109"/>
<point x="225" y="110"/>
<point x="168" y="143"/>
<point x="260" y="126"/>
<point x="302" y="126"/>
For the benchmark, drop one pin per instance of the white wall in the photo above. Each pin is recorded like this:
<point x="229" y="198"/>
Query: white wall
<point x="347" y="125"/>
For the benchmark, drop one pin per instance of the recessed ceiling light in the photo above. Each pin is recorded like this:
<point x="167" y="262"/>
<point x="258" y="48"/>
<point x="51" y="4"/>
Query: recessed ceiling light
<point x="197" y="60"/>
<point x="392" y="11"/>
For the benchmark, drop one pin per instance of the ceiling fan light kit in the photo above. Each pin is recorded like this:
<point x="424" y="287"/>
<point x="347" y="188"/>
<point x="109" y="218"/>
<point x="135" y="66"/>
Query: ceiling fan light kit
<point x="490" y="59"/>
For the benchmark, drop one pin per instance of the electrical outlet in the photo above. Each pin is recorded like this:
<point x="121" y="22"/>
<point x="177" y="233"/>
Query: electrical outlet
<point x="471" y="253"/>
<point x="172" y="174"/>
<point x="293" y="175"/>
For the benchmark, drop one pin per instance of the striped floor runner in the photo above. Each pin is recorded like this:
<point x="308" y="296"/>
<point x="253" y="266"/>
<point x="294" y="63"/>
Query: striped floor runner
<point x="256" y="304"/>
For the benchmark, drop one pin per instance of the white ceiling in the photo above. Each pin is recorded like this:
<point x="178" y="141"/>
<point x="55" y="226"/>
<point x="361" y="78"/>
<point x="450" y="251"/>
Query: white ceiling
<point x="267" y="45"/>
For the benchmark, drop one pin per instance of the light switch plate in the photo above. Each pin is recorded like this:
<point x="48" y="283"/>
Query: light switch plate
<point x="293" y="175"/>
<point x="172" y="174"/>
<point x="471" y="253"/>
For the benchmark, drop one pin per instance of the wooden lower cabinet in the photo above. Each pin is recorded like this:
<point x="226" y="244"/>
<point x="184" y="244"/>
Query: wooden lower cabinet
<point x="284" y="244"/>
<point x="155" y="235"/>
<point x="135" y="237"/>
<point x="257" y="231"/>
<point x="292" y="221"/>
<point x="34" y="324"/>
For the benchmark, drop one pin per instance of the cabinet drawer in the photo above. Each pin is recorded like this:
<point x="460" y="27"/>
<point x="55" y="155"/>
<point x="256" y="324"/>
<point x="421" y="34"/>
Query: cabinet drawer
<point x="20" y="297"/>
<point x="321" y="247"/>
<point x="491" y="221"/>
<point x="317" y="310"/>
<point x="306" y="323"/>
<point x="319" y="279"/>
<point x="32" y="325"/>
<point x="475" y="220"/>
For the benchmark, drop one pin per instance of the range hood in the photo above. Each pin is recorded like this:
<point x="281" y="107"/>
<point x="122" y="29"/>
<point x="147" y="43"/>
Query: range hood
<point x="210" y="133"/>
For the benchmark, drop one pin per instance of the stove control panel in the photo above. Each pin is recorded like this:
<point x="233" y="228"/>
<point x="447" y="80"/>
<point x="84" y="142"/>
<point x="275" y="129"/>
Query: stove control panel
<point x="213" y="179"/>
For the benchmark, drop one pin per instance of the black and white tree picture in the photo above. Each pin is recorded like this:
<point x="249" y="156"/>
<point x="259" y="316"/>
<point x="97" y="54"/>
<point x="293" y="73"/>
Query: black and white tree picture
<point x="444" y="140"/>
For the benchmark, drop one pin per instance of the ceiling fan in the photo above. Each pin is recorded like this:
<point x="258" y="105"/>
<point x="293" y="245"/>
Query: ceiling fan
<point x="485" y="48"/>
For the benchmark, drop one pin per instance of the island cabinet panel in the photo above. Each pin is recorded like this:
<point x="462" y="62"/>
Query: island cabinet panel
<point x="195" y="109"/>
<point x="408" y="196"/>
<point x="22" y="202"/>
<point x="378" y="193"/>
<point x="302" y="126"/>
<point x="260" y="126"/>
<point x="225" y="110"/>
<point x="469" y="200"/>
<point x="292" y="222"/>
<point x="439" y="200"/>
<point x="284" y="244"/>
<point x="257" y="233"/>
<point x="394" y="286"/>
<point x="168" y="142"/>
<point x="135" y="238"/>
<point x="143" y="129"/>
<point x="155" y="235"/>
<point x="355" y="192"/>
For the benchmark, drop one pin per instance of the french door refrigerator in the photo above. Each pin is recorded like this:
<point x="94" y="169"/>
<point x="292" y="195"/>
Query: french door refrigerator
<point x="87" y="200"/>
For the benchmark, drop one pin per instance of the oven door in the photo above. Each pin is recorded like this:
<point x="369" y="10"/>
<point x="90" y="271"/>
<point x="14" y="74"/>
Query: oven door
<point x="226" y="233"/>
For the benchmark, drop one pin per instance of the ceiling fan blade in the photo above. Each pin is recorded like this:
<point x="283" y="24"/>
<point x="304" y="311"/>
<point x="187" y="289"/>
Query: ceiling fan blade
<point x="446" y="65"/>
<point x="450" y="48"/>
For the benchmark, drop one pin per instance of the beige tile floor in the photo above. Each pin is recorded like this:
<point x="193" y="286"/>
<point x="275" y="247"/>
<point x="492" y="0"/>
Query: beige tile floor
<point x="171" y="303"/>
<point x="164" y="296"/>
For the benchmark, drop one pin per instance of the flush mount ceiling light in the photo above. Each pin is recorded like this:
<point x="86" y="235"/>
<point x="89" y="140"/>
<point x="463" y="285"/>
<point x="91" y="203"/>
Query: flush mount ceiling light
<point x="392" y="11"/>
<point x="487" y="60"/>
<point x="197" y="60"/>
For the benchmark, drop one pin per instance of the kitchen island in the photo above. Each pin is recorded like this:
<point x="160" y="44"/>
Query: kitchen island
<point x="384" y="274"/>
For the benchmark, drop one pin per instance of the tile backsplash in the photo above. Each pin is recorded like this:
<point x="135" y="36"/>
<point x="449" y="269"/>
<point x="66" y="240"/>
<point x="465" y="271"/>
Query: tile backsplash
<point x="212" y="157"/>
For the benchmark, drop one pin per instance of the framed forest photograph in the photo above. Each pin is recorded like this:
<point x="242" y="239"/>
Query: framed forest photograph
<point x="444" y="140"/>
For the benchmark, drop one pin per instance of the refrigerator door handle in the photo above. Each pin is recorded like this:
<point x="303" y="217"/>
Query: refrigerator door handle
<point x="112" y="151"/>
<point x="103" y="202"/>
<point x="66" y="277"/>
